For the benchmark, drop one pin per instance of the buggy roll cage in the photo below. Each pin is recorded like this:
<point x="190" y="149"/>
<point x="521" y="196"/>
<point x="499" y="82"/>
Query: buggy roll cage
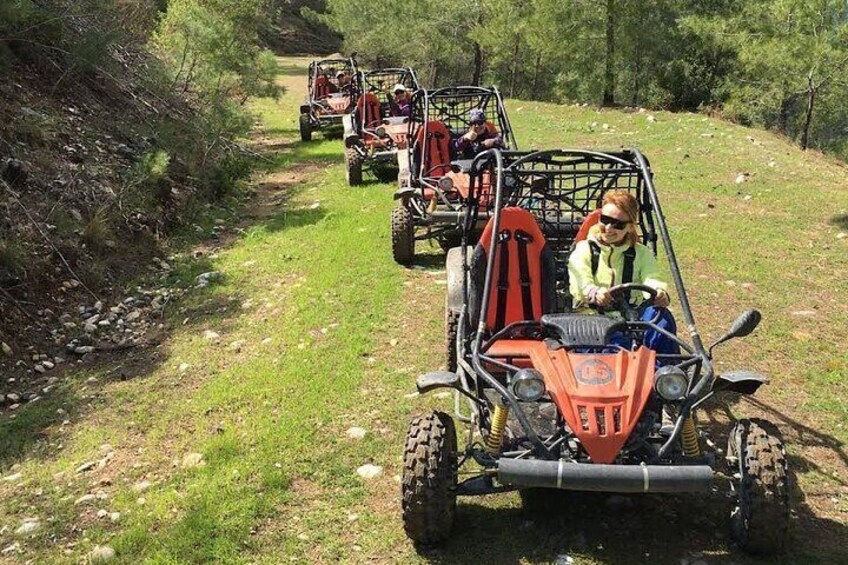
<point x="382" y="80"/>
<point x="557" y="186"/>
<point x="379" y="81"/>
<point x="450" y="105"/>
<point x="327" y="67"/>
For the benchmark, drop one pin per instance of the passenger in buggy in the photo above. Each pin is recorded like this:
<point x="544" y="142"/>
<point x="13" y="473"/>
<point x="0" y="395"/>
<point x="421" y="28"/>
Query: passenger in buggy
<point x="612" y="255"/>
<point x="343" y="80"/>
<point x="479" y="137"/>
<point x="400" y="103"/>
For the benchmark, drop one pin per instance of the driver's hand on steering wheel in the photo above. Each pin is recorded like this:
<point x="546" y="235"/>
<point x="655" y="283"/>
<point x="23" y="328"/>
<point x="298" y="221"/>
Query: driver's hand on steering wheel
<point x="603" y="298"/>
<point x="662" y="300"/>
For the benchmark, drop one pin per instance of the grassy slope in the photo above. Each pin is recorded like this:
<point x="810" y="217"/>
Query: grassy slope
<point x="333" y="333"/>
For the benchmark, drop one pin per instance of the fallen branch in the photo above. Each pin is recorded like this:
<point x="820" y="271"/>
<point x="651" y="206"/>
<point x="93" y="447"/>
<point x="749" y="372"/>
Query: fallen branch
<point x="17" y="304"/>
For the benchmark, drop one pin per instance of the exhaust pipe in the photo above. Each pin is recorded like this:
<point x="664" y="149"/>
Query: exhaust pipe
<point x="568" y="475"/>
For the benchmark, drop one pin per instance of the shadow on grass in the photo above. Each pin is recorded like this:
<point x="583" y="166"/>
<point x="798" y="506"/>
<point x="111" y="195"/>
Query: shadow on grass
<point x="814" y="538"/>
<point x="605" y="529"/>
<point x="432" y="260"/>
<point x="633" y="529"/>
<point x="33" y="433"/>
<point x="628" y="529"/>
<point x="840" y="221"/>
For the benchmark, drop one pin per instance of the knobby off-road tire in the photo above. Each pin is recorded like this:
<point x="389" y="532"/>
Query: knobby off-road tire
<point x="353" y="166"/>
<point x="429" y="478"/>
<point x="451" y="331"/>
<point x="403" y="235"/>
<point x="760" y="521"/>
<point x="305" y="128"/>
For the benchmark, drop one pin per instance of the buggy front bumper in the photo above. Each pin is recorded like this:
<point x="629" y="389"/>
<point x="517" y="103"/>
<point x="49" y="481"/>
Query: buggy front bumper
<point x="565" y="475"/>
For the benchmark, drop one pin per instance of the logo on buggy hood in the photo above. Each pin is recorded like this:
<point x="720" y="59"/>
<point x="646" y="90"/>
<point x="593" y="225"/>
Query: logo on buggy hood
<point x="593" y="372"/>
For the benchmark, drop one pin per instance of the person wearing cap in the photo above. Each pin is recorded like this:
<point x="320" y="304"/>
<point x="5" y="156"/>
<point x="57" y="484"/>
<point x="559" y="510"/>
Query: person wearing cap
<point x="401" y="102"/>
<point x="343" y="80"/>
<point x="478" y="137"/>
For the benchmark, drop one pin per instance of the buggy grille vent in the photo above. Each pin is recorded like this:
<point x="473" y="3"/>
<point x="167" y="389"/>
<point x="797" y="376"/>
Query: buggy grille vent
<point x="584" y="418"/>
<point x="601" y="420"/>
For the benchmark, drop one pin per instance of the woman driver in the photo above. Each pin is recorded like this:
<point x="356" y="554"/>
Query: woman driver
<point x="615" y="243"/>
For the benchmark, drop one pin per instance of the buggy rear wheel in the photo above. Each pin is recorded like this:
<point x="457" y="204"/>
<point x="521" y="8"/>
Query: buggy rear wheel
<point x="403" y="235"/>
<point x="760" y="520"/>
<point x="429" y="478"/>
<point x="305" y="128"/>
<point x="353" y="166"/>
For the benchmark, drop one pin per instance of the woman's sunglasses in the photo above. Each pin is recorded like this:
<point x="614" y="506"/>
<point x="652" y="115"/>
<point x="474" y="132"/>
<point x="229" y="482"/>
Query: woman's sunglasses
<point x="613" y="223"/>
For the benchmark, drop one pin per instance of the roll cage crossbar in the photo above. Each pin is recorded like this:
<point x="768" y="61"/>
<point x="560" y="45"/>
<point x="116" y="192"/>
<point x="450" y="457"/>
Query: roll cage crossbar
<point x="558" y="186"/>
<point x="381" y="80"/>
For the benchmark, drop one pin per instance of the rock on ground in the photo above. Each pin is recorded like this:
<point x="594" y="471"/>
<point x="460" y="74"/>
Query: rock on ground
<point x="355" y="433"/>
<point x="369" y="471"/>
<point x="28" y="527"/>
<point x="193" y="460"/>
<point x="101" y="554"/>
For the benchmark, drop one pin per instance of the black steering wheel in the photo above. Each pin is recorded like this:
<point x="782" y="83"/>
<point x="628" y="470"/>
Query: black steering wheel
<point x="620" y="294"/>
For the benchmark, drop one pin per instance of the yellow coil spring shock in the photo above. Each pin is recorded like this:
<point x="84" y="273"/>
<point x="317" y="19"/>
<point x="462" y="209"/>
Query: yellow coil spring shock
<point x="493" y="442"/>
<point x="691" y="445"/>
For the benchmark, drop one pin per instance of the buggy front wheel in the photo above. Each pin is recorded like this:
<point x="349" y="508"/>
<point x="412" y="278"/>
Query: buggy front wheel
<point x="305" y="128"/>
<point x="403" y="234"/>
<point x="429" y="478"/>
<point x="760" y="520"/>
<point x="353" y="166"/>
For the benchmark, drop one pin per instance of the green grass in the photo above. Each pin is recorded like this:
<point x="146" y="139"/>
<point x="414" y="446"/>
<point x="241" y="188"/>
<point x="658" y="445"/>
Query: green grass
<point x="332" y="334"/>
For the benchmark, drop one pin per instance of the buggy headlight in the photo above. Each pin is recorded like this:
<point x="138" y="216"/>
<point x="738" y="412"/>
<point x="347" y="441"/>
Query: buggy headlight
<point x="528" y="385"/>
<point x="380" y="131"/>
<point x="671" y="383"/>
<point x="446" y="184"/>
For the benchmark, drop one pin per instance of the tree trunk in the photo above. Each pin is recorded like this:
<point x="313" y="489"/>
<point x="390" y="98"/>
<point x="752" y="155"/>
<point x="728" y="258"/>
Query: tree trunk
<point x="609" y="74"/>
<point x="637" y="72"/>
<point x="478" y="65"/>
<point x="434" y="73"/>
<point x="478" y="56"/>
<point x="536" y="75"/>
<point x="514" y="69"/>
<point x="783" y="114"/>
<point x="811" y="98"/>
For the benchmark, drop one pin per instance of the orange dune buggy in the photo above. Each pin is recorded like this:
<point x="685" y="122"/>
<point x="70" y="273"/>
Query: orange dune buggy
<point x="432" y="189"/>
<point x="548" y="398"/>
<point x="375" y="131"/>
<point x="328" y="95"/>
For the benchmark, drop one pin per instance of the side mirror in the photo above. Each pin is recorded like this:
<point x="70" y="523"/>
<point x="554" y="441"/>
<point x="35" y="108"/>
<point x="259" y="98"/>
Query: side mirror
<point x="742" y="326"/>
<point x="745" y="324"/>
<point x="743" y="382"/>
